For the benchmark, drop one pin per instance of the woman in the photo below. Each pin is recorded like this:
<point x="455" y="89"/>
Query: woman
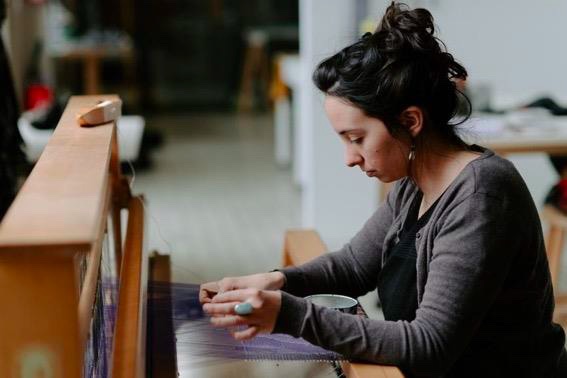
<point x="456" y="250"/>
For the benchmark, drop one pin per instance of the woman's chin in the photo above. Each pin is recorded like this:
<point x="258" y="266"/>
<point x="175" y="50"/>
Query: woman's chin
<point x="386" y="179"/>
<point x="382" y="177"/>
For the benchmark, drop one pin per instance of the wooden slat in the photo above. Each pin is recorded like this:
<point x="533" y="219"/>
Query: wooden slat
<point x="301" y="246"/>
<point x="129" y="338"/>
<point x="161" y="348"/>
<point x="120" y="198"/>
<point x="68" y="180"/>
<point x="38" y="320"/>
<point x="90" y="280"/>
<point x="160" y="267"/>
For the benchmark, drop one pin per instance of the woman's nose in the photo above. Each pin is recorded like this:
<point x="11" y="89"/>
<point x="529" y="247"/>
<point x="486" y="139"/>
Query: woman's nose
<point x="352" y="159"/>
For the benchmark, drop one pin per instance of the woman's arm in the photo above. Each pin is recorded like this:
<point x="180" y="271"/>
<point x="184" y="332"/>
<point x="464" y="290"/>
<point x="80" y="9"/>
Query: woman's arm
<point x="472" y="255"/>
<point x="350" y="271"/>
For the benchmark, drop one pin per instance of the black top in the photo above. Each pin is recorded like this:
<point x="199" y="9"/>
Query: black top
<point x="397" y="287"/>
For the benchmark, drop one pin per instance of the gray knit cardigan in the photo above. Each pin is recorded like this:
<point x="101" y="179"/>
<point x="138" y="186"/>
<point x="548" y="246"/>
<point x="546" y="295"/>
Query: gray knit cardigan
<point x="484" y="293"/>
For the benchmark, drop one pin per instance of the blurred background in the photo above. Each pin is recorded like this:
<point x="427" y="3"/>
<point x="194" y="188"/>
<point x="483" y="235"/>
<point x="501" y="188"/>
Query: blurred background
<point x="223" y="130"/>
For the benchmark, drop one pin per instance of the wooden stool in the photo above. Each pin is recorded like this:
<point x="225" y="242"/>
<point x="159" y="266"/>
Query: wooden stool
<point x="254" y="70"/>
<point x="554" y="242"/>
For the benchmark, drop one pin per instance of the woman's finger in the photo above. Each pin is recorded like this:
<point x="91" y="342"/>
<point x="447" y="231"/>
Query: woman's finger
<point x="246" y="334"/>
<point x="229" y="321"/>
<point x="207" y="291"/>
<point x="240" y="295"/>
<point x="205" y="296"/>
<point x="226" y="308"/>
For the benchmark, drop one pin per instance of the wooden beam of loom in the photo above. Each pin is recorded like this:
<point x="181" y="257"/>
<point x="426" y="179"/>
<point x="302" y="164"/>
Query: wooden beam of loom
<point x="60" y="203"/>
<point x="301" y="246"/>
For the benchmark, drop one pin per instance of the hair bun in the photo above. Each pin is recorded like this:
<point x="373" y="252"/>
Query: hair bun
<point x="402" y="29"/>
<point x="401" y="64"/>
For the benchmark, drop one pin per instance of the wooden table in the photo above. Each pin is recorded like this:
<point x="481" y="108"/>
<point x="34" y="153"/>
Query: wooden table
<point x="547" y="135"/>
<point x="91" y="57"/>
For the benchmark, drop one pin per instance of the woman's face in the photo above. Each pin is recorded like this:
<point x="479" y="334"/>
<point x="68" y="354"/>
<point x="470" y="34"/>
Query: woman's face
<point x="368" y="144"/>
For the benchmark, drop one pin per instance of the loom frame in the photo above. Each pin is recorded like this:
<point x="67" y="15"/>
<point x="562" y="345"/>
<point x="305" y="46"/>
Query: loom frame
<point x="60" y="214"/>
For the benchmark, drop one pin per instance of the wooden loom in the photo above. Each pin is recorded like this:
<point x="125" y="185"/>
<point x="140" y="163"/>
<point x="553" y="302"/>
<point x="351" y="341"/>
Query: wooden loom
<point x="51" y="243"/>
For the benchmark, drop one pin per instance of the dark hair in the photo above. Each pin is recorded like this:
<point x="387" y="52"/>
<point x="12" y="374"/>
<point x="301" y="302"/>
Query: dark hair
<point x="399" y="65"/>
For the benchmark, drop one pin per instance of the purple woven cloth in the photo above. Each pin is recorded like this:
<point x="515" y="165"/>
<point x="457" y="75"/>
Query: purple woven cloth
<point x="196" y="341"/>
<point x="195" y="338"/>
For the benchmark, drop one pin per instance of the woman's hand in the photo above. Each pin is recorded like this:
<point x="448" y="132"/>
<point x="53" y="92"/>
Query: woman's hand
<point x="265" y="309"/>
<point x="261" y="281"/>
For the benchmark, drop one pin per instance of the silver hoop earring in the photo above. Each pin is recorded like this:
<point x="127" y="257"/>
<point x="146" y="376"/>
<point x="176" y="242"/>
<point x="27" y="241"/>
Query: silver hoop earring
<point x="411" y="155"/>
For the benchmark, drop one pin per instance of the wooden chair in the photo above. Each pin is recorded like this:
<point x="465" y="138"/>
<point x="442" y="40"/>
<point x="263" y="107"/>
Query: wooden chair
<point x="301" y="246"/>
<point x="555" y="242"/>
<point x="254" y="69"/>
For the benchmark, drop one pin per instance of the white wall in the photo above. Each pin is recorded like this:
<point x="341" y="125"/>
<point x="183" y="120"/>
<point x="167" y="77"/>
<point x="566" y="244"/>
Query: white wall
<point x="516" y="46"/>
<point x="336" y="200"/>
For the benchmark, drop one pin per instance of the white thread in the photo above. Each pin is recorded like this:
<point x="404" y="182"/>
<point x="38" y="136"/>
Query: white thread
<point x="156" y="223"/>
<point x="131" y="183"/>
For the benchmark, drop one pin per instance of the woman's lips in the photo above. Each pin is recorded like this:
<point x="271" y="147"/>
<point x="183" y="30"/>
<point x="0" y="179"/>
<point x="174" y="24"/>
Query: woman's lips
<point x="370" y="173"/>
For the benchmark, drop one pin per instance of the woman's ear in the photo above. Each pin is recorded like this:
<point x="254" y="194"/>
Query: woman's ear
<point x="412" y="120"/>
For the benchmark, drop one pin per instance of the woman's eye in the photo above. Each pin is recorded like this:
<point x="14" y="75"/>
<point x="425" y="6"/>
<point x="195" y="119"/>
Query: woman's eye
<point x="356" y="141"/>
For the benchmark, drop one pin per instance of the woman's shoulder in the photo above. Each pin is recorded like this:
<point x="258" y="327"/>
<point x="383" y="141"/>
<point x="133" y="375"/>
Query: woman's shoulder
<point x="489" y="175"/>
<point x="492" y="179"/>
<point x="493" y="175"/>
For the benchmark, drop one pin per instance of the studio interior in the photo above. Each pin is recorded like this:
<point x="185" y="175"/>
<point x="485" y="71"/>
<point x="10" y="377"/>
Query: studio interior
<point x="151" y="147"/>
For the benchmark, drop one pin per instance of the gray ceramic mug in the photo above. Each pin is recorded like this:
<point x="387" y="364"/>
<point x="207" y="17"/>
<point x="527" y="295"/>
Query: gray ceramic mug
<point x="335" y="301"/>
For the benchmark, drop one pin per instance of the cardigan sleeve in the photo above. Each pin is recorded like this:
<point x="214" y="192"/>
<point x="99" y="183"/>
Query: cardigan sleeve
<point x="472" y="254"/>
<point x="353" y="269"/>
